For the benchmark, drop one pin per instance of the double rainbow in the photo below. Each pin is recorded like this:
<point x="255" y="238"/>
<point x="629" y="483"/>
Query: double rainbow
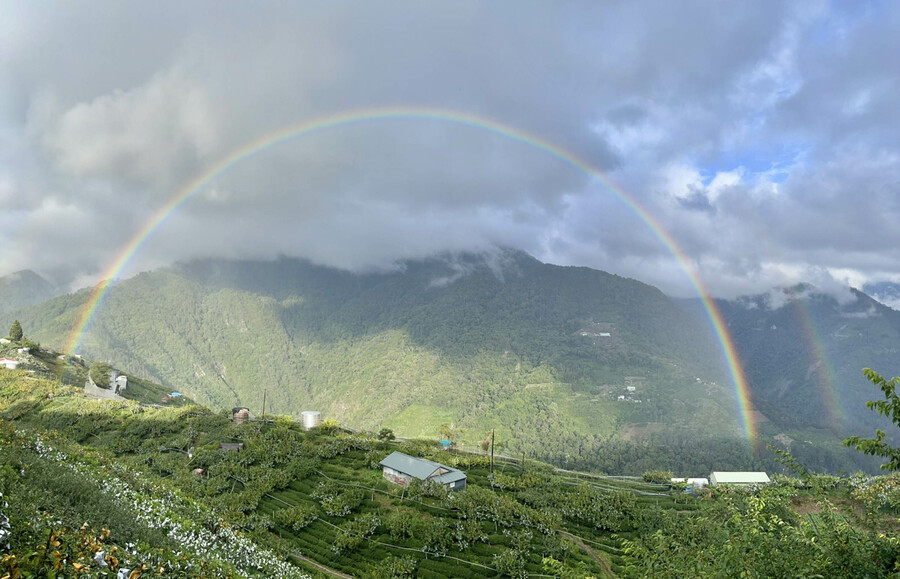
<point x="360" y="116"/>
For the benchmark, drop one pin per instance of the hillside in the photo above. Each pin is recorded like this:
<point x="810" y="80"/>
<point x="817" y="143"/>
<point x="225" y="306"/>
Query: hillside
<point x="129" y="486"/>
<point x="803" y="352"/>
<point x="540" y="353"/>
<point x="24" y="288"/>
<point x="885" y="292"/>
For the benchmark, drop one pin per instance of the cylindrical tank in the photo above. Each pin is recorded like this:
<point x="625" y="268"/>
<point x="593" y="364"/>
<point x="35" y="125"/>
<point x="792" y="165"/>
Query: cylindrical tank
<point x="310" y="419"/>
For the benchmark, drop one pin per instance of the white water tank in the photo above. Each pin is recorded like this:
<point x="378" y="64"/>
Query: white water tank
<point x="310" y="419"/>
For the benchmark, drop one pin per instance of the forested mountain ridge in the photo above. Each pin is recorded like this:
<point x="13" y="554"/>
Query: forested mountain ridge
<point x="542" y="354"/>
<point x="539" y="352"/>
<point x="888" y="293"/>
<point x="803" y="351"/>
<point x="24" y="288"/>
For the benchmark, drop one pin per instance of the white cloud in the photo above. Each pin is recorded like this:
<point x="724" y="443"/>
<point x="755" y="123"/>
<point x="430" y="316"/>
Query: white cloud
<point x="146" y="135"/>
<point x="760" y="138"/>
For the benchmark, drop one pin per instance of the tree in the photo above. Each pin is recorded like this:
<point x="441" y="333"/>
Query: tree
<point x="889" y="407"/>
<point x="15" y="331"/>
<point x="386" y="434"/>
<point x="99" y="373"/>
<point x="446" y="431"/>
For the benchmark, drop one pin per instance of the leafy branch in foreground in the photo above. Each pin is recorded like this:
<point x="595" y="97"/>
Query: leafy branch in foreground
<point x="889" y="407"/>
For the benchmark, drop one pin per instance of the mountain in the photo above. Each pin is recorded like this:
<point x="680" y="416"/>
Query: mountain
<point x="567" y="364"/>
<point x="803" y="352"/>
<point x="885" y="292"/>
<point x="538" y="352"/>
<point x="24" y="288"/>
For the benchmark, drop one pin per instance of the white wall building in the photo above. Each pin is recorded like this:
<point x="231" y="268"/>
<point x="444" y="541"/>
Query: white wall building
<point x="717" y="478"/>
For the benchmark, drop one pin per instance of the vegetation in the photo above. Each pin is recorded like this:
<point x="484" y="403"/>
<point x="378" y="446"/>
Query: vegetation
<point x="889" y="407"/>
<point x="516" y="346"/>
<point x="92" y="487"/>
<point x="15" y="331"/>
<point x="24" y="288"/>
<point x="100" y="374"/>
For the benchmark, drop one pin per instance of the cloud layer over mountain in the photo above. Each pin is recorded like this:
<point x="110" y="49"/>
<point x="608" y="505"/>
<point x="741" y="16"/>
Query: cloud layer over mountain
<point x="761" y="137"/>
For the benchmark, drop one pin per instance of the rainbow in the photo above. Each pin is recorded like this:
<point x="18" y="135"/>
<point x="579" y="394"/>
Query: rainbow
<point x="826" y="377"/>
<point x="359" y="116"/>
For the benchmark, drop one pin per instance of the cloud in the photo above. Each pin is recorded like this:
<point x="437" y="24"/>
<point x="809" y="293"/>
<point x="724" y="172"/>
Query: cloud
<point x="149" y="135"/>
<point x="752" y="145"/>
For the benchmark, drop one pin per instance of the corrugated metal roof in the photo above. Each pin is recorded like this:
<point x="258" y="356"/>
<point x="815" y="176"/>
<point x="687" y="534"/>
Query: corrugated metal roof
<point x="422" y="468"/>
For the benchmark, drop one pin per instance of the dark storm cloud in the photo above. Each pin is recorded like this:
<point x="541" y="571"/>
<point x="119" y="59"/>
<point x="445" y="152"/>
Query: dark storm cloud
<point x="759" y="136"/>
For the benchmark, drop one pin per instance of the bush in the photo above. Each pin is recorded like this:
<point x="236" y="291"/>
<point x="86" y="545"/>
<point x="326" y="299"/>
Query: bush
<point x="661" y="477"/>
<point x="393" y="568"/>
<point x="296" y="518"/>
<point x="510" y="563"/>
<point x="99" y="373"/>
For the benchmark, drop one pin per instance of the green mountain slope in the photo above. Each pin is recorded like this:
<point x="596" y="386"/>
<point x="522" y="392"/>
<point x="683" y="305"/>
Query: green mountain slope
<point x="24" y="288"/>
<point x="539" y="352"/>
<point x="804" y="358"/>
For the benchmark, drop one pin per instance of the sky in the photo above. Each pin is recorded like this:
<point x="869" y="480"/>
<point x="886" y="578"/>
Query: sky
<point x="763" y="138"/>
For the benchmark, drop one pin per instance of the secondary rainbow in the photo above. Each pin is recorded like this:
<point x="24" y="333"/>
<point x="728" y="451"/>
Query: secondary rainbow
<point x="820" y="361"/>
<point x="370" y="115"/>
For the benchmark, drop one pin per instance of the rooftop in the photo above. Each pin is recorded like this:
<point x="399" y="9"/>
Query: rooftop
<point x="422" y="468"/>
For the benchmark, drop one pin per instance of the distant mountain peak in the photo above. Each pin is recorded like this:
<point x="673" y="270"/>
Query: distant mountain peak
<point x="884" y="292"/>
<point x="24" y="288"/>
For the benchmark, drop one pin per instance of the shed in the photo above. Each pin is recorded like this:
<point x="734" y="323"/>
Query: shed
<point x="401" y="468"/>
<point x="231" y="446"/>
<point x="717" y="478"/>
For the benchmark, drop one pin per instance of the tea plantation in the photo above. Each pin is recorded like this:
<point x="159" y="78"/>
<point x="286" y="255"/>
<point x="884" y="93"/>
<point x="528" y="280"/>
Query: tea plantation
<point x="110" y="488"/>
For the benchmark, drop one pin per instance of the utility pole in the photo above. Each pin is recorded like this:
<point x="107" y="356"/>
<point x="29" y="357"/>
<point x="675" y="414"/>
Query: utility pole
<point x="264" y="402"/>
<point x="492" y="451"/>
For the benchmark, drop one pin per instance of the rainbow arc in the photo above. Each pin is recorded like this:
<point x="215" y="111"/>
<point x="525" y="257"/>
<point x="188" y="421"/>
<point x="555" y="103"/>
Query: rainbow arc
<point x="361" y="116"/>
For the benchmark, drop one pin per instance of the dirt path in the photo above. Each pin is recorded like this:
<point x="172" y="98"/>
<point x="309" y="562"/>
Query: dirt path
<point x="607" y="570"/>
<point x="321" y="567"/>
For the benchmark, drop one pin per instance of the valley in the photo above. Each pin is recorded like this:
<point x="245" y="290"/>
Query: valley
<point x="568" y="365"/>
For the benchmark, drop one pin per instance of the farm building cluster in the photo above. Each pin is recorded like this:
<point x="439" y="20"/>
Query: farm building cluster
<point x="718" y="478"/>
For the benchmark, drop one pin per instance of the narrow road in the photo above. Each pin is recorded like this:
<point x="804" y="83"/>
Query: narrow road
<point x="321" y="567"/>
<point x="607" y="570"/>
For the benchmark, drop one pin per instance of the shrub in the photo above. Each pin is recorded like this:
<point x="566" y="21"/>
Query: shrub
<point x="296" y="518"/>
<point x="393" y="568"/>
<point x="662" y="477"/>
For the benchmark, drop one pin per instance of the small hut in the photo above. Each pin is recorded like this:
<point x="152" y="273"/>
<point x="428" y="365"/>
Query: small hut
<point x="240" y="414"/>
